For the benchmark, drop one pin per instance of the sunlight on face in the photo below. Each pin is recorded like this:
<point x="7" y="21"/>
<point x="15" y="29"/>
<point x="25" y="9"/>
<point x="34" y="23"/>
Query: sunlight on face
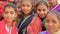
<point x="52" y="23"/>
<point x="42" y="10"/>
<point x="9" y="14"/>
<point x="26" y="7"/>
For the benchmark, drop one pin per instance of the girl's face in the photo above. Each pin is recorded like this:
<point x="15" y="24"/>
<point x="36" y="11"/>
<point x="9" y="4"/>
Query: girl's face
<point x="52" y="2"/>
<point x="26" y="7"/>
<point x="52" y="23"/>
<point x="18" y="5"/>
<point x="42" y="10"/>
<point x="9" y="14"/>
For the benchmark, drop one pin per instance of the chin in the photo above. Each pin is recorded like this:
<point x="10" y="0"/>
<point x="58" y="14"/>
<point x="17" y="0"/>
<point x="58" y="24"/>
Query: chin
<point x="8" y="20"/>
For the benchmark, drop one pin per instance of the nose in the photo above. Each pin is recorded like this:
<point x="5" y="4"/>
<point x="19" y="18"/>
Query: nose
<point x="25" y="7"/>
<point x="8" y="15"/>
<point x="41" y="12"/>
<point x="50" y="24"/>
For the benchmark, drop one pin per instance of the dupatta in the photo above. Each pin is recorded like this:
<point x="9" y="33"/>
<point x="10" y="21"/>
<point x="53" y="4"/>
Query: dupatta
<point x="24" y="23"/>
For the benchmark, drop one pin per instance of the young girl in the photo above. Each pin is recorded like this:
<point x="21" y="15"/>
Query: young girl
<point x="53" y="5"/>
<point x="7" y="24"/>
<point x="19" y="12"/>
<point x="18" y="5"/>
<point x="41" y="11"/>
<point x="52" y="23"/>
<point x="29" y="24"/>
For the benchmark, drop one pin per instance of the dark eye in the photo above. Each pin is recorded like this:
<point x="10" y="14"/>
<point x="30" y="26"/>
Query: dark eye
<point x="27" y="5"/>
<point x="44" y="9"/>
<point x="39" y="10"/>
<point x="47" y="21"/>
<point x="5" y="12"/>
<point x="18" y="7"/>
<point x="54" y="21"/>
<point x="23" y="5"/>
<point x="12" y="12"/>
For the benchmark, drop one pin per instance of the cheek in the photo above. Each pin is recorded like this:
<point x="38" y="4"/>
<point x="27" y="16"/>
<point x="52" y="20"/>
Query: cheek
<point x="46" y="25"/>
<point x="13" y="16"/>
<point x="22" y="8"/>
<point x="4" y="15"/>
<point x="56" y="26"/>
<point x="30" y="8"/>
<point x="45" y="13"/>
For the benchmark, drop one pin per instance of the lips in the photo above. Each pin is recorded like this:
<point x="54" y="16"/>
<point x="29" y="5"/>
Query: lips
<point x="42" y="16"/>
<point x="50" y="28"/>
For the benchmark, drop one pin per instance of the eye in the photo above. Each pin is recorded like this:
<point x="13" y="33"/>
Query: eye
<point x="28" y="6"/>
<point x="47" y="21"/>
<point x="12" y="12"/>
<point x="5" y="12"/>
<point x="44" y="10"/>
<point x="18" y="7"/>
<point x="39" y="9"/>
<point x="23" y="5"/>
<point x="54" y="22"/>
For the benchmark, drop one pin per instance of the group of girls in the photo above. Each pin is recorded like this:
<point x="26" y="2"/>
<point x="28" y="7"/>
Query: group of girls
<point x="41" y="18"/>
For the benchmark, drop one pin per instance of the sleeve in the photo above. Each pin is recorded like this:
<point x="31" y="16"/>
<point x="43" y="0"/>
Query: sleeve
<point x="35" y="27"/>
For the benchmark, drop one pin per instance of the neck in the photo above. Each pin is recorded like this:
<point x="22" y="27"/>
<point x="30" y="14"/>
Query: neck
<point x="26" y="15"/>
<point x="9" y="24"/>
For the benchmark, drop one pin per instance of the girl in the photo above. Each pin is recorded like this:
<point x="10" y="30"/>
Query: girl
<point x="41" y="11"/>
<point x="29" y="24"/>
<point x="7" y="24"/>
<point x="19" y="12"/>
<point x="53" y="5"/>
<point x="52" y="23"/>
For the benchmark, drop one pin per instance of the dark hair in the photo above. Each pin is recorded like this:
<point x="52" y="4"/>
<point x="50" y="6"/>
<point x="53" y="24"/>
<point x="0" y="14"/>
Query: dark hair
<point x="56" y="13"/>
<point x="41" y="2"/>
<point x="19" y="1"/>
<point x="11" y="5"/>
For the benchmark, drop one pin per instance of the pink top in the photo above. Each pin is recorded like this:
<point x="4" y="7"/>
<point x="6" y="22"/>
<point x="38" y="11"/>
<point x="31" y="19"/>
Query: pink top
<point x="3" y="28"/>
<point x="35" y="26"/>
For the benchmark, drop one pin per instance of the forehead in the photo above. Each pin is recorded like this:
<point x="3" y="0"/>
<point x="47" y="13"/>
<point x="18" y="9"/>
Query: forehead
<point x="9" y="9"/>
<point x="42" y="6"/>
<point x="51" y="16"/>
<point x="27" y="2"/>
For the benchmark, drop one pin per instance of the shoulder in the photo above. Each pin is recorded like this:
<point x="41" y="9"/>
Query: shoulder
<point x="36" y="18"/>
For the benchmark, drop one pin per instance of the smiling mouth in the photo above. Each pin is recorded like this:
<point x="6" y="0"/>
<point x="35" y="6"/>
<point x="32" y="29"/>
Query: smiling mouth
<point x="50" y="28"/>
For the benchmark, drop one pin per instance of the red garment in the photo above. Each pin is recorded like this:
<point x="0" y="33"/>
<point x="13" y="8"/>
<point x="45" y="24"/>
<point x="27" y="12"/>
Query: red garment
<point x="35" y="26"/>
<point x="2" y="4"/>
<point x="3" y="28"/>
